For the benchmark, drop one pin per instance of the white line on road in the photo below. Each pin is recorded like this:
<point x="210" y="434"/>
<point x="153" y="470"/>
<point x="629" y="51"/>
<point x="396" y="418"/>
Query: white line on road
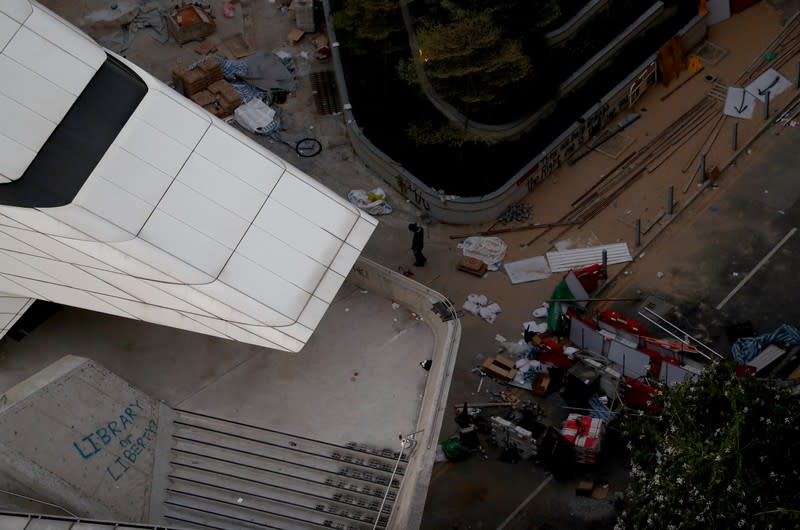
<point x="528" y="499"/>
<point x="755" y="269"/>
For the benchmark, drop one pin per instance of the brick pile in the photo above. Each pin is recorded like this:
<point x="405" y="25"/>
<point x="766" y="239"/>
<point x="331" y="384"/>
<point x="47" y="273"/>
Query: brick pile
<point x="190" y="82"/>
<point x="205" y="86"/>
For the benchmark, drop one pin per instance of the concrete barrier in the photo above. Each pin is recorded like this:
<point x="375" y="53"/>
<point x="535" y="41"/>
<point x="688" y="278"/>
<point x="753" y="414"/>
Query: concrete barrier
<point x="408" y="507"/>
<point x="570" y="28"/>
<point x="82" y="438"/>
<point x="467" y="210"/>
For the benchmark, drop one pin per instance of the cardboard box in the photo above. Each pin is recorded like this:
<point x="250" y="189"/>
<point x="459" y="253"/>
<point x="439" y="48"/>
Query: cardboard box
<point x="295" y="35"/>
<point x="540" y="383"/>
<point x="500" y="367"/>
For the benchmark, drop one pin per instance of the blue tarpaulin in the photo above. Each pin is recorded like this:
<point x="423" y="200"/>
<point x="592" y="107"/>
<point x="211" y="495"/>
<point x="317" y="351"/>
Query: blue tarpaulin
<point x="746" y="349"/>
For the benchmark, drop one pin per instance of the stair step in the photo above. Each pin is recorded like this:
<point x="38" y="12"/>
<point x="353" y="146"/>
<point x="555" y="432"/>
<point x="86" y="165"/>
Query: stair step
<point x="227" y="475"/>
<point x="199" y="451"/>
<point x="205" y="442"/>
<point x="257" y="510"/>
<point x="309" y="495"/>
<point x="191" y="515"/>
<point x="303" y="443"/>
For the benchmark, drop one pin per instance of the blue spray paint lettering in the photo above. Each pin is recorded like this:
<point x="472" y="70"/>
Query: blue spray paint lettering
<point x="93" y="443"/>
<point x="132" y="448"/>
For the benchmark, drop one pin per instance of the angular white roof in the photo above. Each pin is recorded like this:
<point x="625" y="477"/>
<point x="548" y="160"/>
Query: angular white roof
<point x="184" y="221"/>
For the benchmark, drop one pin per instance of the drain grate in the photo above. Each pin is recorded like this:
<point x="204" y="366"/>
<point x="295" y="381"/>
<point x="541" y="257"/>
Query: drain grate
<point x="710" y="53"/>
<point x="326" y="97"/>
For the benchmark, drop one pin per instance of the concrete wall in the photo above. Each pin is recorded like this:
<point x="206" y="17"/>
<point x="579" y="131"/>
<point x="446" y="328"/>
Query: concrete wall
<point x="486" y="208"/>
<point x="408" y="507"/>
<point x="566" y="31"/>
<point x="81" y="438"/>
<point x="693" y="33"/>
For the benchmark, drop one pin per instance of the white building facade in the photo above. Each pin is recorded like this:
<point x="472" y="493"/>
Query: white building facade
<point x="121" y="196"/>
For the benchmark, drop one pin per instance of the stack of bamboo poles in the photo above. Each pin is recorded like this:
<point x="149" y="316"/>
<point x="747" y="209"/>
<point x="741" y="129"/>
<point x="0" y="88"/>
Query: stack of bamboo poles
<point x="662" y="147"/>
<point x="784" y="46"/>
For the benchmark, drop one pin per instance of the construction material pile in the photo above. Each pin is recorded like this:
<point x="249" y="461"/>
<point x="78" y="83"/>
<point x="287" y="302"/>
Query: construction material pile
<point x="586" y="434"/>
<point x="205" y="86"/>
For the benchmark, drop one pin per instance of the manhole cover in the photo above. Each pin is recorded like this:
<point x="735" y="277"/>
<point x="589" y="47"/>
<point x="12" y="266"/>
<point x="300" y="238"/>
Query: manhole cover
<point x="326" y="96"/>
<point x="710" y="53"/>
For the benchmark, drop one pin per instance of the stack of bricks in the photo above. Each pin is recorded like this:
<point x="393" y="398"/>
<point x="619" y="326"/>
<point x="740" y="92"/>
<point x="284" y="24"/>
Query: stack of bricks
<point x="221" y="99"/>
<point x="190" y="82"/>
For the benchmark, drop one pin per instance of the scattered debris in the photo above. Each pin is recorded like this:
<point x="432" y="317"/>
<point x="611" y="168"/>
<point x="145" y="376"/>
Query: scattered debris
<point x="527" y="270"/>
<point x="490" y="250"/>
<point x="745" y="350"/>
<point x="518" y="212"/>
<point x="500" y="367"/>
<point x="478" y="305"/>
<point x="238" y="46"/>
<point x="472" y="266"/>
<point x="373" y="202"/>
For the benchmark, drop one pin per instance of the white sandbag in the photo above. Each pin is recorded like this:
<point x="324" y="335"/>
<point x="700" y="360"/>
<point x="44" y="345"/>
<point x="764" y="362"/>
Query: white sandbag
<point x="534" y="327"/>
<point x="489" y="313"/>
<point x="522" y="364"/>
<point x="479" y="299"/>
<point x="540" y="312"/>
<point x="516" y="348"/>
<point x="471" y="307"/>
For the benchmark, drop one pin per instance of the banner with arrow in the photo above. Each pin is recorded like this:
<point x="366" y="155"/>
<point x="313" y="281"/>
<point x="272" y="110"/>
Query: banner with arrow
<point x="770" y="81"/>
<point x="739" y="103"/>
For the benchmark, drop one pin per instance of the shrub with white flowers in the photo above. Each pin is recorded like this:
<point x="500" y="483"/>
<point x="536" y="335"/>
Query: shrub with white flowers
<point x="723" y="453"/>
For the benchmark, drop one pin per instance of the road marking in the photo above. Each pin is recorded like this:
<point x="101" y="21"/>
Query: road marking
<point x="524" y="503"/>
<point x="758" y="266"/>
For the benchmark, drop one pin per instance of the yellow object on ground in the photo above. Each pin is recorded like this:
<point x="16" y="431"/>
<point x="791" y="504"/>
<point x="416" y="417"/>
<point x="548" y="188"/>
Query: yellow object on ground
<point x="693" y="64"/>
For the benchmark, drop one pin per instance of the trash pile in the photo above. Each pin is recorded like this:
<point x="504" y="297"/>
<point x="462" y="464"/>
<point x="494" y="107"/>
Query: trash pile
<point x="478" y="305"/>
<point x="373" y="202"/>
<point x="561" y="387"/>
<point x="489" y="250"/>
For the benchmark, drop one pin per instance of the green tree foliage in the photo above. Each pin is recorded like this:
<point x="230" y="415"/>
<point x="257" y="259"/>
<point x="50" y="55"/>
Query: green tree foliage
<point x="369" y="22"/>
<point x="469" y="60"/>
<point x="723" y="454"/>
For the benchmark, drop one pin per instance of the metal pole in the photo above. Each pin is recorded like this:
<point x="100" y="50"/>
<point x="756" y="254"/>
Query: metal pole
<point x="702" y="167"/>
<point x="766" y="105"/>
<point x="688" y="337"/>
<point x="605" y="264"/>
<point x="735" y="135"/>
<point x="670" y="194"/>
<point x="638" y="231"/>
<point x="797" y="79"/>
<point x="665" y="330"/>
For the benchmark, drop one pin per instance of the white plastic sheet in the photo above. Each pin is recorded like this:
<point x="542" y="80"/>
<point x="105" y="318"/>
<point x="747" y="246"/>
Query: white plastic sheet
<point x="373" y="202"/>
<point x="489" y="250"/>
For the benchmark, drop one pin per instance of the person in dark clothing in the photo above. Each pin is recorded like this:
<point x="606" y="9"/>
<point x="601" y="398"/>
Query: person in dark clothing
<point x="417" y="243"/>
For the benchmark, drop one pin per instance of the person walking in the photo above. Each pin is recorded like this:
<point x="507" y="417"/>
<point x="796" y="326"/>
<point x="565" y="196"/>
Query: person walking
<point x="417" y="242"/>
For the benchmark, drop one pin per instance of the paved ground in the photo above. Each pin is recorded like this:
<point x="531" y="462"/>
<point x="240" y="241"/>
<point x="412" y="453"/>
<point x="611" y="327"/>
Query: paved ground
<point x="351" y="382"/>
<point x="481" y="493"/>
<point x="730" y="229"/>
